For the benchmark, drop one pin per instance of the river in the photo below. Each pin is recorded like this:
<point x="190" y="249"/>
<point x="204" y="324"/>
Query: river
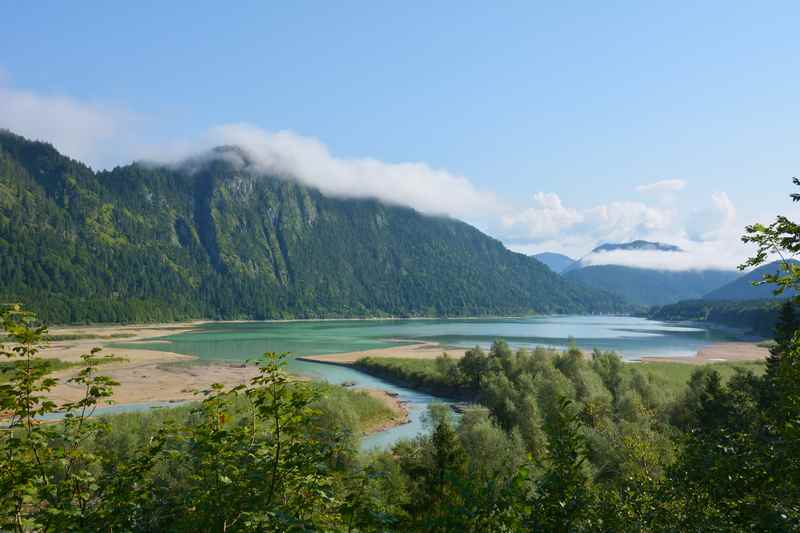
<point x="631" y="337"/>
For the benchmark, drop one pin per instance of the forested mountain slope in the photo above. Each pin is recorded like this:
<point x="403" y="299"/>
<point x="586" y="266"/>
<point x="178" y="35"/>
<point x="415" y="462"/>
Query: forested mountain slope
<point x="754" y="316"/>
<point x="556" y="262"/>
<point x="742" y="288"/>
<point x="212" y="239"/>
<point x="645" y="286"/>
<point x="648" y="286"/>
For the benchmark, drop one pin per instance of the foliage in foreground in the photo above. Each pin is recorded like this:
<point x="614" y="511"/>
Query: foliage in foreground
<point x="559" y="443"/>
<point x="633" y="451"/>
<point x="254" y="458"/>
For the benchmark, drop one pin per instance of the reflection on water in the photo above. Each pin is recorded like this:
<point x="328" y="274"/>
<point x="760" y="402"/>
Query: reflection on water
<point x="631" y="337"/>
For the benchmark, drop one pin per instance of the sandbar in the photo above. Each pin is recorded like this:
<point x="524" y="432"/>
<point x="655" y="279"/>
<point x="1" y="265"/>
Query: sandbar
<point x="719" y="352"/>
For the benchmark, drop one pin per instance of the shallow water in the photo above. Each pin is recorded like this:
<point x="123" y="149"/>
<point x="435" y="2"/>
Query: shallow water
<point x="629" y="336"/>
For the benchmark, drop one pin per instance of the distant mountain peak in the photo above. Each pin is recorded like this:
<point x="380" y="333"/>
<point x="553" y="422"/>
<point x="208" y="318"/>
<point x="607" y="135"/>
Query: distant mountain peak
<point x="232" y="157"/>
<point x="556" y="262"/>
<point x="231" y="149"/>
<point x="637" y="245"/>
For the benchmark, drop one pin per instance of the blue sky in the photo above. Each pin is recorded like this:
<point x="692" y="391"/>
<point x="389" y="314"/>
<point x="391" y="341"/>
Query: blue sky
<point x="556" y="114"/>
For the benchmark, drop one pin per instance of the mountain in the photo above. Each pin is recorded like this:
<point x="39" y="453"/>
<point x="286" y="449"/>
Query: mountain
<point x="650" y="287"/>
<point x="638" y="246"/>
<point x="742" y="288"/>
<point x="633" y="246"/>
<point x="556" y="262"/>
<point x="213" y="238"/>
<point x="645" y="286"/>
<point x="754" y="316"/>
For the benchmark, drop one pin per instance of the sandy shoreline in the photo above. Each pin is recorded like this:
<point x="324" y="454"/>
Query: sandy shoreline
<point x="149" y="375"/>
<point x="71" y="350"/>
<point x="719" y="352"/>
<point x="714" y="353"/>
<point x="158" y="381"/>
<point x="421" y="350"/>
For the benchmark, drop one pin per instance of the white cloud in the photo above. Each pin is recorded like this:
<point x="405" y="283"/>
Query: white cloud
<point x="89" y="132"/>
<point x="697" y="256"/>
<point x="308" y="160"/>
<point x="617" y="221"/>
<point x="663" y="186"/>
<point x="714" y="222"/>
<point x="708" y="236"/>
<point x="546" y="219"/>
<point x="623" y="221"/>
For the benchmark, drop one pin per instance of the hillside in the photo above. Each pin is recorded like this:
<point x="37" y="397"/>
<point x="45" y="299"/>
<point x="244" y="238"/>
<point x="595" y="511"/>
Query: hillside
<point x="644" y="286"/>
<point x="555" y="262"/>
<point x="210" y="238"/>
<point x="754" y="316"/>
<point x="742" y="288"/>
<point x="650" y="287"/>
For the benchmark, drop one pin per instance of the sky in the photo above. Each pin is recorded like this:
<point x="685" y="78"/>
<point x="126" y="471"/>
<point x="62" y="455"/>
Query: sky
<point x="552" y="127"/>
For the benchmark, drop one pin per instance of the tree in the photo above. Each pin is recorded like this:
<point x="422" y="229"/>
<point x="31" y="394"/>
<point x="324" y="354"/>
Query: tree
<point x="781" y="238"/>
<point x="474" y="365"/>
<point x="48" y="478"/>
<point x="563" y="501"/>
<point x="785" y="329"/>
<point x="740" y="466"/>
<point x="247" y="459"/>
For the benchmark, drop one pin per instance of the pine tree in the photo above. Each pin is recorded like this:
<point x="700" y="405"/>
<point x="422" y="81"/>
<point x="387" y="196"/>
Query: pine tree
<point x="785" y="329"/>
<point x="563" y="501"/>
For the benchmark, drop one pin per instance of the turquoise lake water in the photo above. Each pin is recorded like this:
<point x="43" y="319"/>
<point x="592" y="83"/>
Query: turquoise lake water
<point x="631" y="337"/>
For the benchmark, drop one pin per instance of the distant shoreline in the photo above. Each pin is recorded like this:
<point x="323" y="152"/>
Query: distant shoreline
<point x="201" y="321"/>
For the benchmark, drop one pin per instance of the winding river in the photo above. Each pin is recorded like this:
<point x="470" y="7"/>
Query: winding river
<point x="237" y="341"/>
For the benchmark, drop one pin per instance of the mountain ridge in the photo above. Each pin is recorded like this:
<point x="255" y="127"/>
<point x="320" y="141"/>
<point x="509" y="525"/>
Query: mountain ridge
<point x="147" y="242"/>
<point x="637" y="245"/>
<point x="556" y="262"/>
<point x="742" y="288"/>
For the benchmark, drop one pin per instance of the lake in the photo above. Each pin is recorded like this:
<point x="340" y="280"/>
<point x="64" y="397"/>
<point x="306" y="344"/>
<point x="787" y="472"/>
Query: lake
<point x="631" y="337"/>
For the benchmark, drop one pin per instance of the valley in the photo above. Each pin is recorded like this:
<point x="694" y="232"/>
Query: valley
<point x="419" y="267"/>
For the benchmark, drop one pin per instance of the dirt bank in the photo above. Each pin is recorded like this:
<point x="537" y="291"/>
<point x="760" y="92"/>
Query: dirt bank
<point x="720" y="352"/>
